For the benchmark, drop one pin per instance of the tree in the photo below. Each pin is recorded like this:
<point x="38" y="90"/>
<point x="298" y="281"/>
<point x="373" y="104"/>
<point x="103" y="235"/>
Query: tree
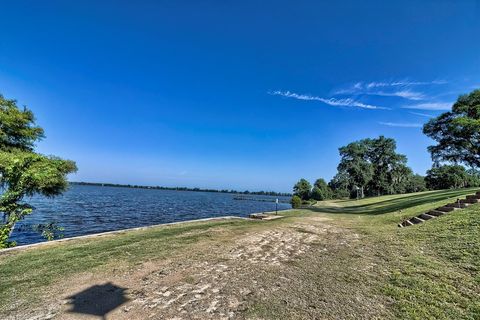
<point x="18" y="131"/>
<point x="457" y="132"/>
<point x="321" y="191"/>
<point x="22" y="171"/>
<point x="389" y="167"/>
<point x="374" y="167"/>
<point x="447" y="177"/>
<point x="340" y="185"/>
<point x="400" y="176"/>
<point x="302" y="189"/>
<point x="355" y="164"/>
<point x="473" y="178"/>
<point x="416" y="183"/>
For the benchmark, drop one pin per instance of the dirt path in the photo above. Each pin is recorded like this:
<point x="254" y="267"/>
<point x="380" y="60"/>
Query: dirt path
<point x="220" y="280"/>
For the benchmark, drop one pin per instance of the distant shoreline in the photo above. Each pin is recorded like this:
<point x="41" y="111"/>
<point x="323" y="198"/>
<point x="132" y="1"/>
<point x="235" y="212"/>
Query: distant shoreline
<point x="260" y="193"/>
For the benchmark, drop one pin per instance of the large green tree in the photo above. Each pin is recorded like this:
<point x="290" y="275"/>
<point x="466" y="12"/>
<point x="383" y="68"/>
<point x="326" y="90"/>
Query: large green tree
<point x="416" y="183"/>
<point x="457" y="132"/>
<point x="22" y="171"/>
<point x="473" y="178"/>
<point x="389" y="167"/>
<point x="321" y="191"/>
<point x="302" y="189"/>
<point x="354" y="162"/>
<point x="399" y="177"/>
<point x="373" y="166"/>
<point x="340" y="185"/>
<point x="18" y="131"/>
<point x="448" y="177"/>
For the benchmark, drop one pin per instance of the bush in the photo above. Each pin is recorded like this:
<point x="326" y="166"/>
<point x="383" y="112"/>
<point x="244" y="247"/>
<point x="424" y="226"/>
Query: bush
<point x="296" y="202"/>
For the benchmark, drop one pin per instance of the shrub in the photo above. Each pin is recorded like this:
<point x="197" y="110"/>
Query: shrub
<point x="296" y="202"/>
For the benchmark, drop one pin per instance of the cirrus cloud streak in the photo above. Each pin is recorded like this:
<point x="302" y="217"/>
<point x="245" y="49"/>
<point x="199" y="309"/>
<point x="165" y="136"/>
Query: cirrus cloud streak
<point x="345" y="102"/>
<point x="430" y="106"/>
<point x="401" y="125"/>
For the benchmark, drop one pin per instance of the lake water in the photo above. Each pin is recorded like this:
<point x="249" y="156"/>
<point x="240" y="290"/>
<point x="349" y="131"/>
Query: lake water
<point x="86" y="210"/>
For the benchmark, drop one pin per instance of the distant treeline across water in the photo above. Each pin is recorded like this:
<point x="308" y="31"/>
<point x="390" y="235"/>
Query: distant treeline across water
<point x="261" y="193"/>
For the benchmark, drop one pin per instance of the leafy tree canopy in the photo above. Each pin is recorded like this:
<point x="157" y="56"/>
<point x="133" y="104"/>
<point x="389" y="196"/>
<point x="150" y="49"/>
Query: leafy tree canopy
<point x="17" y="127"/>
<point x="355" y="164"/>
<point x="302" y="189"/>
<point x="389" y="167"/>
<point x="374" y="165"/>
<point x="450" y="177"/>
<point x="22" y="171"/>
<point x="321" y="191"/>
<point x="416" y="183"/>
<point x="457" y="132"/>
<point x="340" y="185"/>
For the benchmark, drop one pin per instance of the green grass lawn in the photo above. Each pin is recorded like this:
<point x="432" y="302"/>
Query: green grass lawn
<point x="426" y="271"/>
<point x="432" y="270"/>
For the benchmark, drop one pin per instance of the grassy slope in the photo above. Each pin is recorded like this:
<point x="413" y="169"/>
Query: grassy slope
<point x="431" y="270"/>
<point x="425" y="271"/>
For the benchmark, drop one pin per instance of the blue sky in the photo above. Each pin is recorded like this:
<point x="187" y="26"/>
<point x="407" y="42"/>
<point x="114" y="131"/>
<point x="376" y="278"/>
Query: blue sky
<point x="223" y="94"/>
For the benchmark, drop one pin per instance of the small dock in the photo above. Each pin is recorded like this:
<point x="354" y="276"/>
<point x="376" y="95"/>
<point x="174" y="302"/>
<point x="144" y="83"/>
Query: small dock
<point x="264" y="216"/>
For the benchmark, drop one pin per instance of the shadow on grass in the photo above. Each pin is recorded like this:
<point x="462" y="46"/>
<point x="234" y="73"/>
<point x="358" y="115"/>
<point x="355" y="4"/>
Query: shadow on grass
<point x="395" y="204"/>
<point x="98" y="300"/>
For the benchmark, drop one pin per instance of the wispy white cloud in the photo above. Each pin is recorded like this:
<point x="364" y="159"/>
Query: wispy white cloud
<point x="346" y="102"/>
<point x="294" y="95"/>
<point x="406" y="94"/>
<point x="422" y="114"/>
<point x="402" y="83"/>
<point x="358" y="86"/>
<point x="401" y="125"/>
<point x="390" y="88"/>
<point x="430" y="106"/>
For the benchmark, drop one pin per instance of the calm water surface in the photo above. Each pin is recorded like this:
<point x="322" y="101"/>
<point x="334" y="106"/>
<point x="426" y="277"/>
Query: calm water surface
<point x="90" y="209"/>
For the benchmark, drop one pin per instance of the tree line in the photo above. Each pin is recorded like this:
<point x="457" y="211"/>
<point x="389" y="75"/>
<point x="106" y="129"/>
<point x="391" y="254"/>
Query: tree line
<point x="372" y="167"/>
<point x="134" y="186"/>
